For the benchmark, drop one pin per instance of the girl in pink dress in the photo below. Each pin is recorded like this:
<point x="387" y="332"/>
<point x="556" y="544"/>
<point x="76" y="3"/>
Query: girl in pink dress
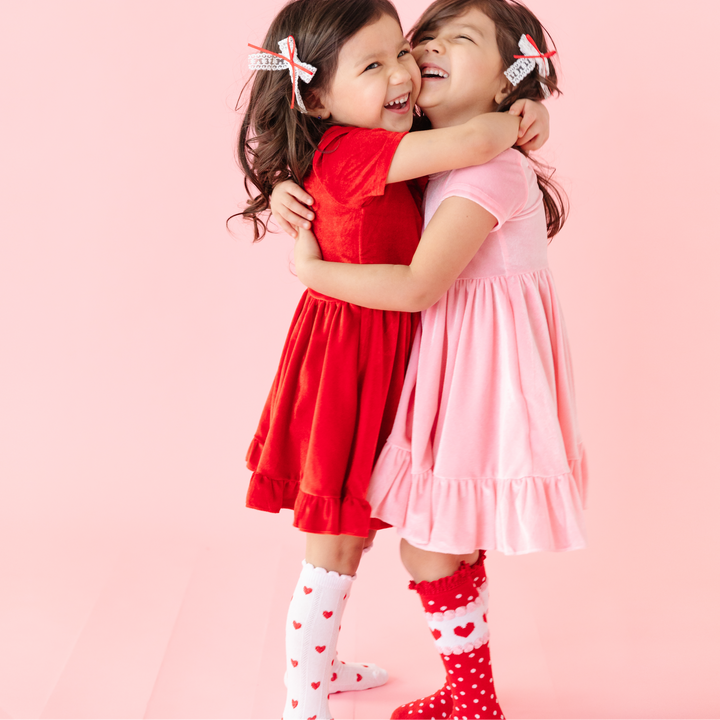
<point x="485" y="452"/>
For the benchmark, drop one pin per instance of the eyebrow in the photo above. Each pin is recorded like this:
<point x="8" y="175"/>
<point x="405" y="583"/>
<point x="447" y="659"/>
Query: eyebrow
<point x="459" y="28"/>
<point x="473" y="27"/>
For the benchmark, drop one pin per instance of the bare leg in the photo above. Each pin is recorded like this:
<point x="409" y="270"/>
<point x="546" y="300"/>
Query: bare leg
<point x="429" y="566"/>
<point x="334" y="553"/>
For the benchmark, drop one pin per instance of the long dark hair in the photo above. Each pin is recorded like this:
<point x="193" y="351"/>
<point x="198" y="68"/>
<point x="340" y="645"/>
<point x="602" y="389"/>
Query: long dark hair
<point x="512" y="20"/>
<point x="276" y="142"/>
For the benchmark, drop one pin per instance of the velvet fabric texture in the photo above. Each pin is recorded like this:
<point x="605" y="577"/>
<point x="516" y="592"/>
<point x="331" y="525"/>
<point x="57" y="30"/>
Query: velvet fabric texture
<point x="334" y="398"/>
<point x="486" y="449"/>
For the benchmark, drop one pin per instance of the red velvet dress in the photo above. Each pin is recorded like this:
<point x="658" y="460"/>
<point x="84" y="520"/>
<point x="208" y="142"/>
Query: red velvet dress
<point x="333" y="400"/>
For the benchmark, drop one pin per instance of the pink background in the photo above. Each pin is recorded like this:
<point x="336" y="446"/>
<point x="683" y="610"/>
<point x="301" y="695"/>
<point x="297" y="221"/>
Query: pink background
<point x="139" y="340"/>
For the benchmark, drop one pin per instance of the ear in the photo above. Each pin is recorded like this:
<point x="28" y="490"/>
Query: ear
<point x="505" y="89"/>
<point x="315" y="106"/>
<point x="318" y="111"/>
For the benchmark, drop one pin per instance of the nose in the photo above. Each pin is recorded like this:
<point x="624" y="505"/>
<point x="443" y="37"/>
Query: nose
<point x="400" y="75"/>
<point x="435" y="45"/>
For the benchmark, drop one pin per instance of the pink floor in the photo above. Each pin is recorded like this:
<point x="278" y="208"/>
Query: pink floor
<point x="171" y="626"/>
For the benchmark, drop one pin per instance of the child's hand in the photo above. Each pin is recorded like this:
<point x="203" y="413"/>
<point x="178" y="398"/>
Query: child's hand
<point x="535" y="124"/>
<point x="307" y="251"/>
<point x="288" y="204"/>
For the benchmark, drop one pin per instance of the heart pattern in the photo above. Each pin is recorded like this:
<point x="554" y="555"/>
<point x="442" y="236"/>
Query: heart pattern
<point x="313" y="717"/>
<point x="327" y="613"/>
<point x="437" y="634"/>
<point x="334" y="677"/>
<point x="307" y="590"/>
<point x="359" y="677"/>
<point x="320" y="648"/>
<point x="315" y="685"/>
<point x="294" y="703"/>
<point x="297" y="625"/>
<point x="294" y="662"/>
<point x="465" y="631"/>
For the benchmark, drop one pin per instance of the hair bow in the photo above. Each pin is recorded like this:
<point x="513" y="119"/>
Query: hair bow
<point x="530" y="59"/>
<point x="266" y="60"/>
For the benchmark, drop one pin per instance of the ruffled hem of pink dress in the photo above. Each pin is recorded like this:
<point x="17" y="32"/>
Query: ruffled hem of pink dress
<point x="459" y="516"/>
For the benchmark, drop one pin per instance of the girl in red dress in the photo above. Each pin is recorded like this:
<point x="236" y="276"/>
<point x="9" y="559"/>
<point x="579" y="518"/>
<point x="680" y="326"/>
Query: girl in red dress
<point x="335" y="119"/>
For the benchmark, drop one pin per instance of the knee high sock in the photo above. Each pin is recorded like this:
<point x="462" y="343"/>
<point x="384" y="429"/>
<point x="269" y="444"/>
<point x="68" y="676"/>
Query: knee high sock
<point x="455" y="608"/>
<point x="311" y="633"/>
<point x="356" y="676"/>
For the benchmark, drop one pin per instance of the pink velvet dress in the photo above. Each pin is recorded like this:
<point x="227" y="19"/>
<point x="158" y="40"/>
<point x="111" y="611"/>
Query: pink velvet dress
<point x="485" y="451"/>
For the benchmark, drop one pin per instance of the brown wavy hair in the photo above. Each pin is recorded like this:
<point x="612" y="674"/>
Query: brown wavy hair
<point x="276" y="142"/>
<point x="512" y="20"/>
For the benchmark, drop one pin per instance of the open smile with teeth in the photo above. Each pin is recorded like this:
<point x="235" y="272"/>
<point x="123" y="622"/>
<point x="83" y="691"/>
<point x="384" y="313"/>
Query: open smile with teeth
<point x="399" y="103"/>
<point x="434" y="72"/>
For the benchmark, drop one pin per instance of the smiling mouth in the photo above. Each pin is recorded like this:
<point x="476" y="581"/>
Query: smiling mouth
<point x="399" y="104"/>
<point x="434" y="72"/>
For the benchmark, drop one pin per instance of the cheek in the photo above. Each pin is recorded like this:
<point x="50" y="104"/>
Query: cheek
<point x="415" y="75"/>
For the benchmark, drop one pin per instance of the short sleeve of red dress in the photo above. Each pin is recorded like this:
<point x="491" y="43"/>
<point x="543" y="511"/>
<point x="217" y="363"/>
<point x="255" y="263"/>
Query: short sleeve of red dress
<point x="361" y="219"/>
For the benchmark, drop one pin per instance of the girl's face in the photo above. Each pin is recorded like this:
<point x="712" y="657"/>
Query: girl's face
<point x="377" y="80"/>
<point x="461" y="67"/>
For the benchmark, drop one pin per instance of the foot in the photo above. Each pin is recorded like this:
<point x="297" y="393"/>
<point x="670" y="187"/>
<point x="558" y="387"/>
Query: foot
<point x="348" y="676"/>
<point x="437" y="705"/>
<point x="356" y="676"/>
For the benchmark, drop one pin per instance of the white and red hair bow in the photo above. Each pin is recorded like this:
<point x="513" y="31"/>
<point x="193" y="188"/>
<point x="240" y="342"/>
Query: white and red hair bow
<point x="287" y="59"/>
<point x="530" y="59"/>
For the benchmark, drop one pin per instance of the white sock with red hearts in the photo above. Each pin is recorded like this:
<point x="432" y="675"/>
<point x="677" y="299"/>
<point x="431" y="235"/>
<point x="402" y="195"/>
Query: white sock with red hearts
<point x="347" y="676"/>
<point x="356" y="676"/>
<point x="311" y="634"/>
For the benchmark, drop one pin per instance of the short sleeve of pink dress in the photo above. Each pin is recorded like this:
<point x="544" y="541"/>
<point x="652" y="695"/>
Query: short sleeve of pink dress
<point x="486" y="451"/>
<point x="337" y="388"/>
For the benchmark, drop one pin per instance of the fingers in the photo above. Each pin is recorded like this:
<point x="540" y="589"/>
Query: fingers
<point x="297" y="192"/>
<point x="518" y="107"/>
<point x="525" y="125"/>
<point x="534" y="138"/>
<point x="531" y="144"/>
<point x="296" y="213"/>
<point x="524" y="109"/>
<point x="527" y="138"/>
<point x="285" y="226"/>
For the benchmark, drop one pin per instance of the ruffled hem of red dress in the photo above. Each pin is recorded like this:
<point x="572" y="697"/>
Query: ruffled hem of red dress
<point x="313" y="513"/>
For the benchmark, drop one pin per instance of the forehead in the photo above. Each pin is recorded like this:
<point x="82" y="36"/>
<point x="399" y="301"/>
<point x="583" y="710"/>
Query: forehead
<point x="470" y="19"/>
<point x="384" y="36"/>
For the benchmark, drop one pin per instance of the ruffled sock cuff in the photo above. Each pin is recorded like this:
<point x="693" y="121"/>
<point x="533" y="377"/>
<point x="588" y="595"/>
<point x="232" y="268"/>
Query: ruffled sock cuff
<point x="449" y="593"/>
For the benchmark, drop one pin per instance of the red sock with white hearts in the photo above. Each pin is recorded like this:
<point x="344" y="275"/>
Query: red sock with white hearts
<point x="455" y="610"/>
<point x="311" y="634"/>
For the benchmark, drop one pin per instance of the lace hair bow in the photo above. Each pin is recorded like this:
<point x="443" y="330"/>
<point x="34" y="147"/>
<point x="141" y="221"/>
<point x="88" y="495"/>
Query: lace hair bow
<point x="530" y="59"/>
<point x="287" y="59"/>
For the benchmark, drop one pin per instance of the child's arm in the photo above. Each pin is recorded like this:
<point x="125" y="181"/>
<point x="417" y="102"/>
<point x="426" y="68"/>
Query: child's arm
<point x="457" y="230"/>
<point x="475" y="142"/>
<point x="286" y="202"/>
